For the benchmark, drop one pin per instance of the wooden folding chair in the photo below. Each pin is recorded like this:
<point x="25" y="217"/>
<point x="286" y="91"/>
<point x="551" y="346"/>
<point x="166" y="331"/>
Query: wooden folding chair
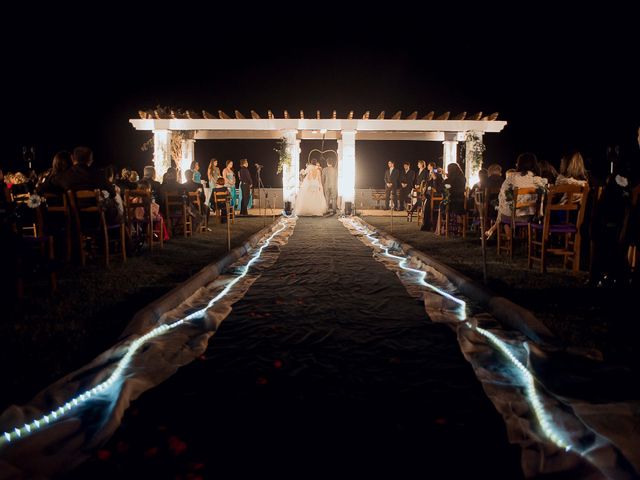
<point x="194" y="199"/>
<point x="436" y="198"/>
<point x="563" y="215"/>
<point x="176" y="209"/>
<point x="523" y="198"/>
<point x="137" y="208"/>
<point x="58" y="208"/>
<point x="91" y="224"/>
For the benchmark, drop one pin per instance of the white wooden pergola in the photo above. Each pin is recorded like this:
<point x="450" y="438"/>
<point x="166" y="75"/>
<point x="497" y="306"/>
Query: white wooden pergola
<point x="449" y="131"/>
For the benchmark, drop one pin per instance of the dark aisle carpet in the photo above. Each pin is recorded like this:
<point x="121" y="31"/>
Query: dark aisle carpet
<point x="325" y="368"/>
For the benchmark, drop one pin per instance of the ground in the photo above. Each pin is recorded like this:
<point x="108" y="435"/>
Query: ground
<point x="583" y="317"/>
<point x="46" y="337"/>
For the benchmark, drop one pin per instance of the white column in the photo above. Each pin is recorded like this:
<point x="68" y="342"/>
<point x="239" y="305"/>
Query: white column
<point x="450" y="149"/>
<point x="161" y="152"/>
<point x="291" y="173"/>
<point x="347" y="168"/>
<point x="188" y="156"/>
<point x="471" y="169"/>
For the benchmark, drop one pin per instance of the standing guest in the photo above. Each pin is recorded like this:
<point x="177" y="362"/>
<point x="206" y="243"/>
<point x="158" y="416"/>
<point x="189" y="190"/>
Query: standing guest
<point x="246" y="183"/>
<point x="195" y="168"/>
<point x="422" y="175"/>
<point x="391" y="179"/>
<point x="407" y="180"/>
<point x="213" y="172"/>
<point x="330" y="184"/>
<point x="52" y="182"/>
<point x="230" y="182"/>
<point x="419" y="185"/>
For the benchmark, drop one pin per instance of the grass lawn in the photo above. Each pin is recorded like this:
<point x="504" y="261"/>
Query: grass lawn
<point x="581" y="316"/>
<point x="45" y="337"/>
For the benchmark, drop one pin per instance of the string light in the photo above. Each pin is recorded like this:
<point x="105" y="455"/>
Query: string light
<point x="79" y="400"/>
<point x="550" y="431"/>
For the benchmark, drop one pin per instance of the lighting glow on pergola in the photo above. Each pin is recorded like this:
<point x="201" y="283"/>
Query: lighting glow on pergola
<point x="345" y="130"/>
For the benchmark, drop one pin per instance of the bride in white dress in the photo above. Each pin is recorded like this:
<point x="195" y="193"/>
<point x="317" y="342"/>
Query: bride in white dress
<point x="311" y="200"/>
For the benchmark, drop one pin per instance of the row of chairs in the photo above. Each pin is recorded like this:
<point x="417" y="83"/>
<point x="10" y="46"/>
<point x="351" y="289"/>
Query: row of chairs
<point x="555" y="229"/>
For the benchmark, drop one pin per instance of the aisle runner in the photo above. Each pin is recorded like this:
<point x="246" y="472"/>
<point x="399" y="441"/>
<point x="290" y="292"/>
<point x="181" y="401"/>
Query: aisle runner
<point x="553" y="439"/>
<point x="326" y="367"/>
<point x="63" y="423"/>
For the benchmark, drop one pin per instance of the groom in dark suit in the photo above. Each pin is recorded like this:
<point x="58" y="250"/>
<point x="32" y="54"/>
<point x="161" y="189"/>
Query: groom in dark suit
<point x="391" y="179"/>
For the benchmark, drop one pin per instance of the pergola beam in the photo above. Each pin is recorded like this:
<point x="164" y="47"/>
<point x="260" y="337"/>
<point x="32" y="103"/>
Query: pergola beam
<point x="358" y="125"/>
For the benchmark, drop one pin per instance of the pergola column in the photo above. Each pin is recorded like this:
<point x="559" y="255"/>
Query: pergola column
<point x="188" y="156"/>
<point x="161" y="151"/>
<point x="450" y="149"/>
<point x="290" y="173"/>
<point x="471" y="170"/>
<point x="346" y="168"/>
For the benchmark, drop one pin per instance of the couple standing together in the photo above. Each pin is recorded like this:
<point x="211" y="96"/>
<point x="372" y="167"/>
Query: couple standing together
<point x="318" y="190"/>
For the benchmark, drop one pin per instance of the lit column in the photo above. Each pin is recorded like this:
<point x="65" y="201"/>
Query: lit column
<point x="472" y="167"/>
<point x="450" y="149"/>
<point x="161" y="151"/>
<point x="290" y="173"/>
<point x="188" y="156"/>
<point x="347" y="168"/>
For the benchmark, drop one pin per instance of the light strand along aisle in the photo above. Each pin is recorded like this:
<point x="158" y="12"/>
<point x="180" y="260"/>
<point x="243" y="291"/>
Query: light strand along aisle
<point x="326" y="365"/>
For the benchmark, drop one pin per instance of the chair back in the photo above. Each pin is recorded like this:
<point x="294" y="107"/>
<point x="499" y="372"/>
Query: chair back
<point x="194" y="199"/>
<point x="137" y="205"/>
<point x="526" y="201"/>
<point x="85" y="207"/>
<point x="568" y="198"/>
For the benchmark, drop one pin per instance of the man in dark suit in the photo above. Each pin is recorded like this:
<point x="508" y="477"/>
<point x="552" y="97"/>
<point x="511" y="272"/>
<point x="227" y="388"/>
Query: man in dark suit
<point x="246" y="182"/>
<point x="391" y="179"/>
<point x="407" y="179"/>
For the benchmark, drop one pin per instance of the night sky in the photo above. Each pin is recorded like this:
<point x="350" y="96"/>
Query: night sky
<point x="563" y="81"/>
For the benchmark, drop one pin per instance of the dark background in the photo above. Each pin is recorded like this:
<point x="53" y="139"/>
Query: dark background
<point x="563" y="81"/>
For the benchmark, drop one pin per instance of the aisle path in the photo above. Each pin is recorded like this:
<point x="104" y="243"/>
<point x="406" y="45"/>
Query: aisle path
<point x="326" y="366"/>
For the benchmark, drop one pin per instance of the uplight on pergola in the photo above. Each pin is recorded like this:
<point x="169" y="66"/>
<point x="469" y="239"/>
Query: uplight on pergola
<point x="206" y="126"/>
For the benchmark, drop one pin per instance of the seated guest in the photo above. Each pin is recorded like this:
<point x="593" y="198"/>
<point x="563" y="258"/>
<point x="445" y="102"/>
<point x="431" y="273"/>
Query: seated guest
<point x="125" y="182"/>
<point x="148" y="180"/>
<point x="83" y="176"/>
<point x="454" y="190"/>
<point x="134" y="178"/>
<point x="170" y="181"/>
<point x="483" y="176"/>
<point x="522" y="177"/>
<point x="494" y="180"/>
<point x="573" y="172"/>
<point x="190" y="185"/>
<point x="548" y="172"/>
<point x="455" y="183"/>
<point x="53" y="181"/>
